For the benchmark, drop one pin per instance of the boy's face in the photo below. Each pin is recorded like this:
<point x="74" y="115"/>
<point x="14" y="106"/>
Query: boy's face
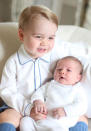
<point x="67" y="72"/>
<point x="39" y="38"/>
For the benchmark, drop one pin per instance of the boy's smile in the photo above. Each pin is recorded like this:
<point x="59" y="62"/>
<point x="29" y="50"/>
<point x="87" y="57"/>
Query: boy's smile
<point x="41" y="50"/>
<point x="39" y="38"/>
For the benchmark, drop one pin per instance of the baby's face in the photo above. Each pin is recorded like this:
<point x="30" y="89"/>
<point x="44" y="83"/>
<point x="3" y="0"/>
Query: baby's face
<point x="67" y="72"/>
<point x="39" y="38"/>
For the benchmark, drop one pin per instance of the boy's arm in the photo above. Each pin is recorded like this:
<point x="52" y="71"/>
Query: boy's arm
<point x="79" y="105"/>
<point x="8" y="88"/>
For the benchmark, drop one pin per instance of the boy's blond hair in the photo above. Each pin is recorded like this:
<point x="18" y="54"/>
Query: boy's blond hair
<point x="33" y="11"/>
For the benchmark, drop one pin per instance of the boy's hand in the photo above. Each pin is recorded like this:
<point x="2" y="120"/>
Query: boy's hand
<point x="39" y="107"/>
<point x="38" y="116"/>
<point x="58" y="112"/>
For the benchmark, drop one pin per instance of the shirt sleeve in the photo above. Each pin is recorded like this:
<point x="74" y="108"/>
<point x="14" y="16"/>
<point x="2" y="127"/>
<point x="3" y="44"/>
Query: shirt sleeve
<point x="8" y="88"/>
<point x="79" y="104"/>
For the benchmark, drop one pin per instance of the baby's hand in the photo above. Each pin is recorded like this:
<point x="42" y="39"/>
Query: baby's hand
<point x="38" y="116"/>
<point x="39" y="106"/>
<point x="58" y="112"/>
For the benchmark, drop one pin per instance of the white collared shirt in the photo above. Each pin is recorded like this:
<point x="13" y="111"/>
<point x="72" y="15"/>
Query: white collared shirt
<point x="22" y="75"/>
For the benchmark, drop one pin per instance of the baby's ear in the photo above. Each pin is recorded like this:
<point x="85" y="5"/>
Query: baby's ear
<point x="21" y="34"/>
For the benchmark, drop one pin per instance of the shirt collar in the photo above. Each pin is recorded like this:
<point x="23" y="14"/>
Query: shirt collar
<point x="24" y="57"/>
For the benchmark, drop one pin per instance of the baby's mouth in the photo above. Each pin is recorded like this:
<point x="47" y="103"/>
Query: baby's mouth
<point x="61" y="78"/>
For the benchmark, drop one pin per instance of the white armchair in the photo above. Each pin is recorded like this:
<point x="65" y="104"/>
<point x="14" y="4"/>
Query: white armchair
<point x="9" y="41"/>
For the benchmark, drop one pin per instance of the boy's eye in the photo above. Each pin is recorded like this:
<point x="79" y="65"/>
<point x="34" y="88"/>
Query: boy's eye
<point x="38" y="36"/>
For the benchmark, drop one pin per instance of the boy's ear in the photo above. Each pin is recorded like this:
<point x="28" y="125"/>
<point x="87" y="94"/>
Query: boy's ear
<point x="21" y="34"/>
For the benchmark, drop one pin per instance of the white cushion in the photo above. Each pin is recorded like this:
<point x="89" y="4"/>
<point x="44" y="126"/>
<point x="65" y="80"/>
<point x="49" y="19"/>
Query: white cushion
<point x="81" y="45"/>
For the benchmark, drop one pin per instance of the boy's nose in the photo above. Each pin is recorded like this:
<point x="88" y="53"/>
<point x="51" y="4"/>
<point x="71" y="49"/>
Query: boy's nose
<point x="44" y="42"/>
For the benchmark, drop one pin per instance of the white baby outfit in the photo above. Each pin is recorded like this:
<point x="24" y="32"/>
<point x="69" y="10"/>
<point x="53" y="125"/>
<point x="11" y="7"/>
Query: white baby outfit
<point x="71" y="98"/>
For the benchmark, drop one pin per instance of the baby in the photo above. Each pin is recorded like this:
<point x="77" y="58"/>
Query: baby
<point x="62" y="99"/>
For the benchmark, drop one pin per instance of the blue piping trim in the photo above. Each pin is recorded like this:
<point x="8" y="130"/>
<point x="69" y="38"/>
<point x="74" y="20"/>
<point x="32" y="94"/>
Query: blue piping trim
<point x="26" y="108"/>
<point x="30" y="59"/>
<point x="34" y="67"/>
<point x="25" y="62"/>
<point x="44" y="60"/>
<point x="34" y="77"/>
<point x="39" y="72"/>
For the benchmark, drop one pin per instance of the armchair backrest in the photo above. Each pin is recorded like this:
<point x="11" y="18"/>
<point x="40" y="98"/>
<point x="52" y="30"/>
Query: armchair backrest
<point x="9" y="41"/>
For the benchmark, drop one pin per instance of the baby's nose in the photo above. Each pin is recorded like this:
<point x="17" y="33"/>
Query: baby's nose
<point x="63" y="71"/>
